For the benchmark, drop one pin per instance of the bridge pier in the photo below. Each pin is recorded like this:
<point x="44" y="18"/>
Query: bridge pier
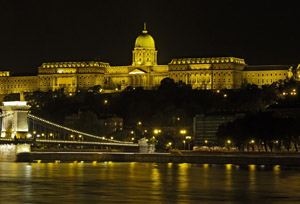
<point x="14" y="119"/>
<point x="8" y="152"/>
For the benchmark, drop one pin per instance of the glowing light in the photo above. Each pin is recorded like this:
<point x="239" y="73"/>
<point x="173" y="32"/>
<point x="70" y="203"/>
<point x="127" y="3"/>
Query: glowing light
<point x="3" y="134"/>
<point x="183" y="132"/>
<point x="139" y="123"/>
<point x="205" y="141"/>
<point x="132" y="138"/>
<point x="112" y="138"/>
<point x="229" y="141"/>
<point x="29" y="135"/>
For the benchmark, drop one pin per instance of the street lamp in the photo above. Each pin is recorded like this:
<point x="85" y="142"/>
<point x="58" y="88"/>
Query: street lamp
<point x="188" y="138"/>
<point x="183" y="144"/>
<point x="228" y="144"/>
<point x="252" y="142"/>
<point x="156" y="131"/>
<point x="183" y="132"/>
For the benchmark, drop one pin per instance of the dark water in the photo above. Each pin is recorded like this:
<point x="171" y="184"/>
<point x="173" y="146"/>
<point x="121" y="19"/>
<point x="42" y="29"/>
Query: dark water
<point x="113" y="182"/>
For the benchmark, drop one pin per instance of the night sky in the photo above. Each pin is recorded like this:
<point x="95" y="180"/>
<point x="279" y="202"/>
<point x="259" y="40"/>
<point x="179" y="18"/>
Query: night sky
<point x="33" y="32"/>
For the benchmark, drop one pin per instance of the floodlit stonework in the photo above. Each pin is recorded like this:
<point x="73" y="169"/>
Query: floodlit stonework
<point x="201" y="73"/>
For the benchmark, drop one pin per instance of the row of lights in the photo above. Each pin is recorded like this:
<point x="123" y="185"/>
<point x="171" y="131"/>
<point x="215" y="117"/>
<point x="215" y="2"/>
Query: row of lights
<point x="293" y="93"/>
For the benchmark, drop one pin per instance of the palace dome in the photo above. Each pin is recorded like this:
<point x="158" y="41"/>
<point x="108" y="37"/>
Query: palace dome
<point x="144" y="40"/>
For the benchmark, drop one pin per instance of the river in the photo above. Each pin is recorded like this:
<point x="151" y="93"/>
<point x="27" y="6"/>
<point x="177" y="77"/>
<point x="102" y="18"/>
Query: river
<point x="132" y="182"/>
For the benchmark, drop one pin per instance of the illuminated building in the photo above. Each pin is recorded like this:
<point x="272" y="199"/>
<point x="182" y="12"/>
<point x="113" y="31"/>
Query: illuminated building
<point x="200" y="73"/>
<point x="266" y="74"/>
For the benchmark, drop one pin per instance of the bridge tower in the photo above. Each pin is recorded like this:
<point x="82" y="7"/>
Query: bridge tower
<point x="14" y="119"/>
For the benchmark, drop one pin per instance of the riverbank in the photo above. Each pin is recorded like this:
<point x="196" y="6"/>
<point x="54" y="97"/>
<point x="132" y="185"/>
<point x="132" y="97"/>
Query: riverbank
<point x="287" y="159"/>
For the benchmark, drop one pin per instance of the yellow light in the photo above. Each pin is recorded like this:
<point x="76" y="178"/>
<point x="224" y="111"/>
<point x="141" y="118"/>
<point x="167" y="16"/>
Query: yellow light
<point x="145" y="131"/>
<point x="218" y="91"/>
<point x="139" y="123"/>
<point x="170" y="143"/>
<point x="71" y="136"/>
<point x="39" y="161"/>
<point x="188" y="137"/>
<point x="205" y="141"/>
<point x="178" y="118"/>
<point x="225" y="95"/>
<point x="29" y="135"/>
<point x="79" y="136"/>
<point x="132" y="138"/>
<point x="105" y="101"/>
<point x="228" y="141"/>
<point x="51" y="134"/>
<point x="111" y="138"/>
<point x="132" y="132"/>
<point x="182" y="131"/>
<point x="184" y="141"/>
<point x="3" y="134"/>
<point x="34" y="132"/>
<point x="252" y="141"/>
<point x="43" y="134"/>
<point x="155" y="131"/>
<point x="294" y="90"/>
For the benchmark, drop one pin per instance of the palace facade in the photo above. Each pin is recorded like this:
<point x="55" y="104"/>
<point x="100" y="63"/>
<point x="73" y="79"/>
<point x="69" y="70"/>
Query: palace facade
<point x="200" y="73"/>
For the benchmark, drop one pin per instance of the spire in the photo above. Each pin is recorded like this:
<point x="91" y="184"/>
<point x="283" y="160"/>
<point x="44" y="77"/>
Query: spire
<point x="145" y="30"/>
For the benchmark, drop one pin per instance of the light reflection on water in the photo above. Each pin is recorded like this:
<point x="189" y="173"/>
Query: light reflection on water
<point x="113" y="182"/>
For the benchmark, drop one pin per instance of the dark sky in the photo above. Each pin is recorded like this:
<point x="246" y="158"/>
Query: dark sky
<point x="37" y="31"/>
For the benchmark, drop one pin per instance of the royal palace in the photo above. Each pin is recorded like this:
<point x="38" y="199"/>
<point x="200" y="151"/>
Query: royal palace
<point x="201" y="73"/>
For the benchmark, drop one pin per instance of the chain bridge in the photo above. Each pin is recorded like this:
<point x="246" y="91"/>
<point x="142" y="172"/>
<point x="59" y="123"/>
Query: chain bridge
<point x="19" y="128"/>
